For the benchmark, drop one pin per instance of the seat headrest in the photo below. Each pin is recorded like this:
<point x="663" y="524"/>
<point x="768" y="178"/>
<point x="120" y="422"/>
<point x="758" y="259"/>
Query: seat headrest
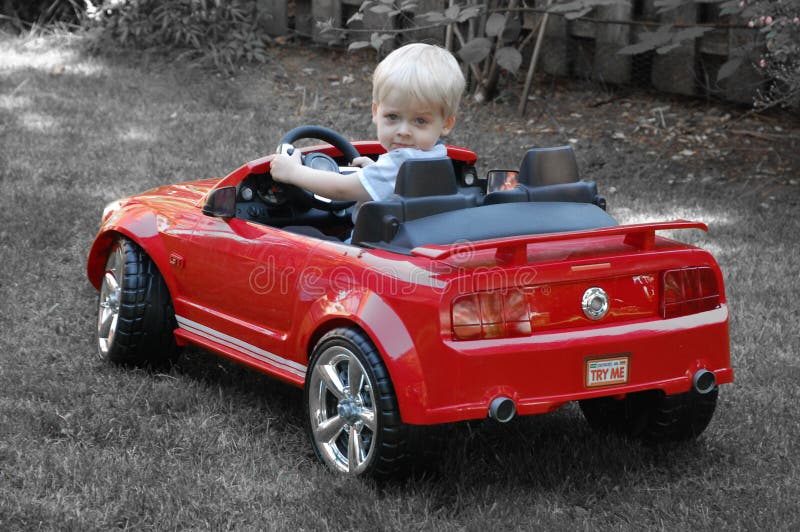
<point x="426" y="177"/>
<point x="548" y="166"/>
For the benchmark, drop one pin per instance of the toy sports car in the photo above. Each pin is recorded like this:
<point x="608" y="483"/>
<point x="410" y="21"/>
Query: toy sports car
<point x="458" y="298"/>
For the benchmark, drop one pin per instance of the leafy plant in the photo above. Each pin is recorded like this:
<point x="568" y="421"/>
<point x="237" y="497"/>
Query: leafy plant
<point x="42" y="12"/>
<point x="779" y="23"/>
<point x="206" y="32"/>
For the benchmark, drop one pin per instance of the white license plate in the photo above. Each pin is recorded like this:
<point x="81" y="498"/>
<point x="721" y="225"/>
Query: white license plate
<point x="607" y="371"/>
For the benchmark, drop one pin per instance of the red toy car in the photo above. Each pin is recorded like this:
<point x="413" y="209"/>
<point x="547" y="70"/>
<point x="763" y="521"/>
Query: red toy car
<point x="458" y="298"/>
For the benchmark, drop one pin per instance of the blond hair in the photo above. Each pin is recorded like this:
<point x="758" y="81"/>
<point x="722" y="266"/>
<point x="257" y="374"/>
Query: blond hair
<point x="423" y="72"/>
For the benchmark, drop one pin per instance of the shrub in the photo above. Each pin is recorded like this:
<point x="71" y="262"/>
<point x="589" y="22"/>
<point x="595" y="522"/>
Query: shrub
<point x="780" y="23"/>
<point x="41" y="11"/>
<point x="221" y="33"/>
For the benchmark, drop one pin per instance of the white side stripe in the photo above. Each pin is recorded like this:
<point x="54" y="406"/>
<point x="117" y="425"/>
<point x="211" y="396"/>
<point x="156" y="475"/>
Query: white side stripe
<point x="249" y="349"/>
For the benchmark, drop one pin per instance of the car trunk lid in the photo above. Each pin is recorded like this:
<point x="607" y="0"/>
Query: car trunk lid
<point x="558" y="275"/>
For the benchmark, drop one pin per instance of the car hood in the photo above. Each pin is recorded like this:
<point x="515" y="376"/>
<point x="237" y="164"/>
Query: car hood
<point x="190" y="192"/>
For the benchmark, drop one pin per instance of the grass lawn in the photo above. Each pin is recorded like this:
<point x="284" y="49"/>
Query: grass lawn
<point x="85" y="445"/>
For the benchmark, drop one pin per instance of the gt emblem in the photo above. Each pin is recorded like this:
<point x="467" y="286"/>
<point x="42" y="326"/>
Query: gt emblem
<point x="175" y="260"/>
<point x="595" y="303"/>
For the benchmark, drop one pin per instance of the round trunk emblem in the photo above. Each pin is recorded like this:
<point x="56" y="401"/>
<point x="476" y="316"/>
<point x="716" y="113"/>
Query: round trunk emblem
<point x="595" y="303"/>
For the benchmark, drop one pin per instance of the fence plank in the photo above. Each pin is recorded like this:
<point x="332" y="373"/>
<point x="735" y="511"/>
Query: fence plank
<point x="744" y="85"/>
<point x="675" y="71"/>
<point x="608" y="65"/>
<point x="433" y="35"/>
<point x="325" y="10"/>
<point x="555" y="58"/>
<point x="272" y="15"/>
<point x="303" y="21"/>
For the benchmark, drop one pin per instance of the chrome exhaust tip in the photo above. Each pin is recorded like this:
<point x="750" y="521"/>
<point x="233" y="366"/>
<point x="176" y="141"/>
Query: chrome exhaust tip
<point x="704" y="381"/>
<point x="502" y="409"/>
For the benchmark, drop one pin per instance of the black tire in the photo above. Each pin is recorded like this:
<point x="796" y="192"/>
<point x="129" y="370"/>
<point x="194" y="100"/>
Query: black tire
<point x="337" y="416"/>
<point x="681" y="416"/>
<point x="136" y="319"/>
<point x="652" y="416"/>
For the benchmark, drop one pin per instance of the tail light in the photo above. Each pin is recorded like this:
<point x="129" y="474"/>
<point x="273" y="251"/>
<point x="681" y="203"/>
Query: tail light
<point x="688" y="291"/>
<point x="496" y="314"/>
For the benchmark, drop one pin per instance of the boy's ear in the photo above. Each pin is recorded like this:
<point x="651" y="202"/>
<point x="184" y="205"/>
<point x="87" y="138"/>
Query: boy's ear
<point x="449" y="122"/>
<point x="374" y="113"/>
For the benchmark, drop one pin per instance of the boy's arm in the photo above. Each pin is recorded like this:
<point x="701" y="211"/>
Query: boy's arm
<point x="332" y="185"/>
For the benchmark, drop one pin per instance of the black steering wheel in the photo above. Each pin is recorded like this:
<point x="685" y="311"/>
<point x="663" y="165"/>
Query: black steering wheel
<point x="280" y="192"/>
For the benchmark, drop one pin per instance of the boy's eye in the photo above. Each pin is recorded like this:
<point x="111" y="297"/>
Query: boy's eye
<point x="421" y="121"/>
<point x="391" y="116"/>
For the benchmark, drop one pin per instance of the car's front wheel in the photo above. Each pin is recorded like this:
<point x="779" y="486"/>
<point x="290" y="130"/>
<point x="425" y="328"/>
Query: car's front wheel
<point x="353" y="417"/>
<point x="135" y="320"/>
<point x="651" y="415"/>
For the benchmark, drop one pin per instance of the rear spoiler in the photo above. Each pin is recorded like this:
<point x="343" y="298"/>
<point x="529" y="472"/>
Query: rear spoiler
<point x="514" y="249"/>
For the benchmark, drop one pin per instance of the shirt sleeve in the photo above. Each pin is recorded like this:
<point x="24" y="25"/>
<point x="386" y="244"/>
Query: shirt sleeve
<point x="378" y="179"/>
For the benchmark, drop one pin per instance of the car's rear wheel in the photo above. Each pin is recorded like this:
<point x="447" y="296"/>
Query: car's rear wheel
<point x="135" y="321"/>
<point x="652" y="415"/>
<point x="353" y="417"/>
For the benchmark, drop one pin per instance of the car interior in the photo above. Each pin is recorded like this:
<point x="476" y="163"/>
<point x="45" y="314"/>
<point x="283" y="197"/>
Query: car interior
<point x="440" y="201"/>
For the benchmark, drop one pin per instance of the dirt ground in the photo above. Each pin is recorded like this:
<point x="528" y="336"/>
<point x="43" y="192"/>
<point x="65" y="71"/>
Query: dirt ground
<point x="618" y="133"/>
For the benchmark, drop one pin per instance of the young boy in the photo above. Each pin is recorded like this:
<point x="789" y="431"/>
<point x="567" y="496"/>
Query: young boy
<point x="415" y="94"/>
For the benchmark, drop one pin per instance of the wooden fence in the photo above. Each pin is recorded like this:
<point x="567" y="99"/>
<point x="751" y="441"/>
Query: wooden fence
<point x="586" y="47"/>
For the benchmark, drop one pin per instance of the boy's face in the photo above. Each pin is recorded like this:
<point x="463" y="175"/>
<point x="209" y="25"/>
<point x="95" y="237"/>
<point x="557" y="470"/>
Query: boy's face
<point x="407" y="123"/>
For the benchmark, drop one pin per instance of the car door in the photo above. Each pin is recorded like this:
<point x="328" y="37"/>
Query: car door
<point x="244" y="281"/>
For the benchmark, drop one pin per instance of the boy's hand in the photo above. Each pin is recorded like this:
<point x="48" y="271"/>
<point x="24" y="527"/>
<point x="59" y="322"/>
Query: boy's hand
<point x="284" y="167"/>
<point x="361" y="162"/>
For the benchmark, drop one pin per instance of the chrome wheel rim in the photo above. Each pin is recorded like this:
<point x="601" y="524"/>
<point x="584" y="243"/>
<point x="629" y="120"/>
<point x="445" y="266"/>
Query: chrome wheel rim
<point x="110" y="294"/>
<point x="342" y="409"/>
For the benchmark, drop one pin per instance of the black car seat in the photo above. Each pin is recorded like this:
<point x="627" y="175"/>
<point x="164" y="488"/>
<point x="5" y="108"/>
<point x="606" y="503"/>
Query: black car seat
<point x="549" y="174"/>
<point x="424" y="187"/>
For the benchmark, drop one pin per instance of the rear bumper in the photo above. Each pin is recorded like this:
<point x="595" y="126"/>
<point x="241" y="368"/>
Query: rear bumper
<point x="546" y="370"/>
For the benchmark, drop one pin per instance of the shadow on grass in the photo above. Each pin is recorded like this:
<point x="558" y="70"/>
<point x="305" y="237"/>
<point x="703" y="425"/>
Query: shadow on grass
<point x="283" y="399"/>
<point x="552" y="453"/>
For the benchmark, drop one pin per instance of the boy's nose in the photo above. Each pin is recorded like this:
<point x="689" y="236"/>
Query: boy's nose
<point x="403" y="129"/>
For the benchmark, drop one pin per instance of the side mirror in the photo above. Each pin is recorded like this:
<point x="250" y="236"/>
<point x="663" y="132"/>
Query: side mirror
<point x="221" y="203"/>
<point x="501" y="180"/>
